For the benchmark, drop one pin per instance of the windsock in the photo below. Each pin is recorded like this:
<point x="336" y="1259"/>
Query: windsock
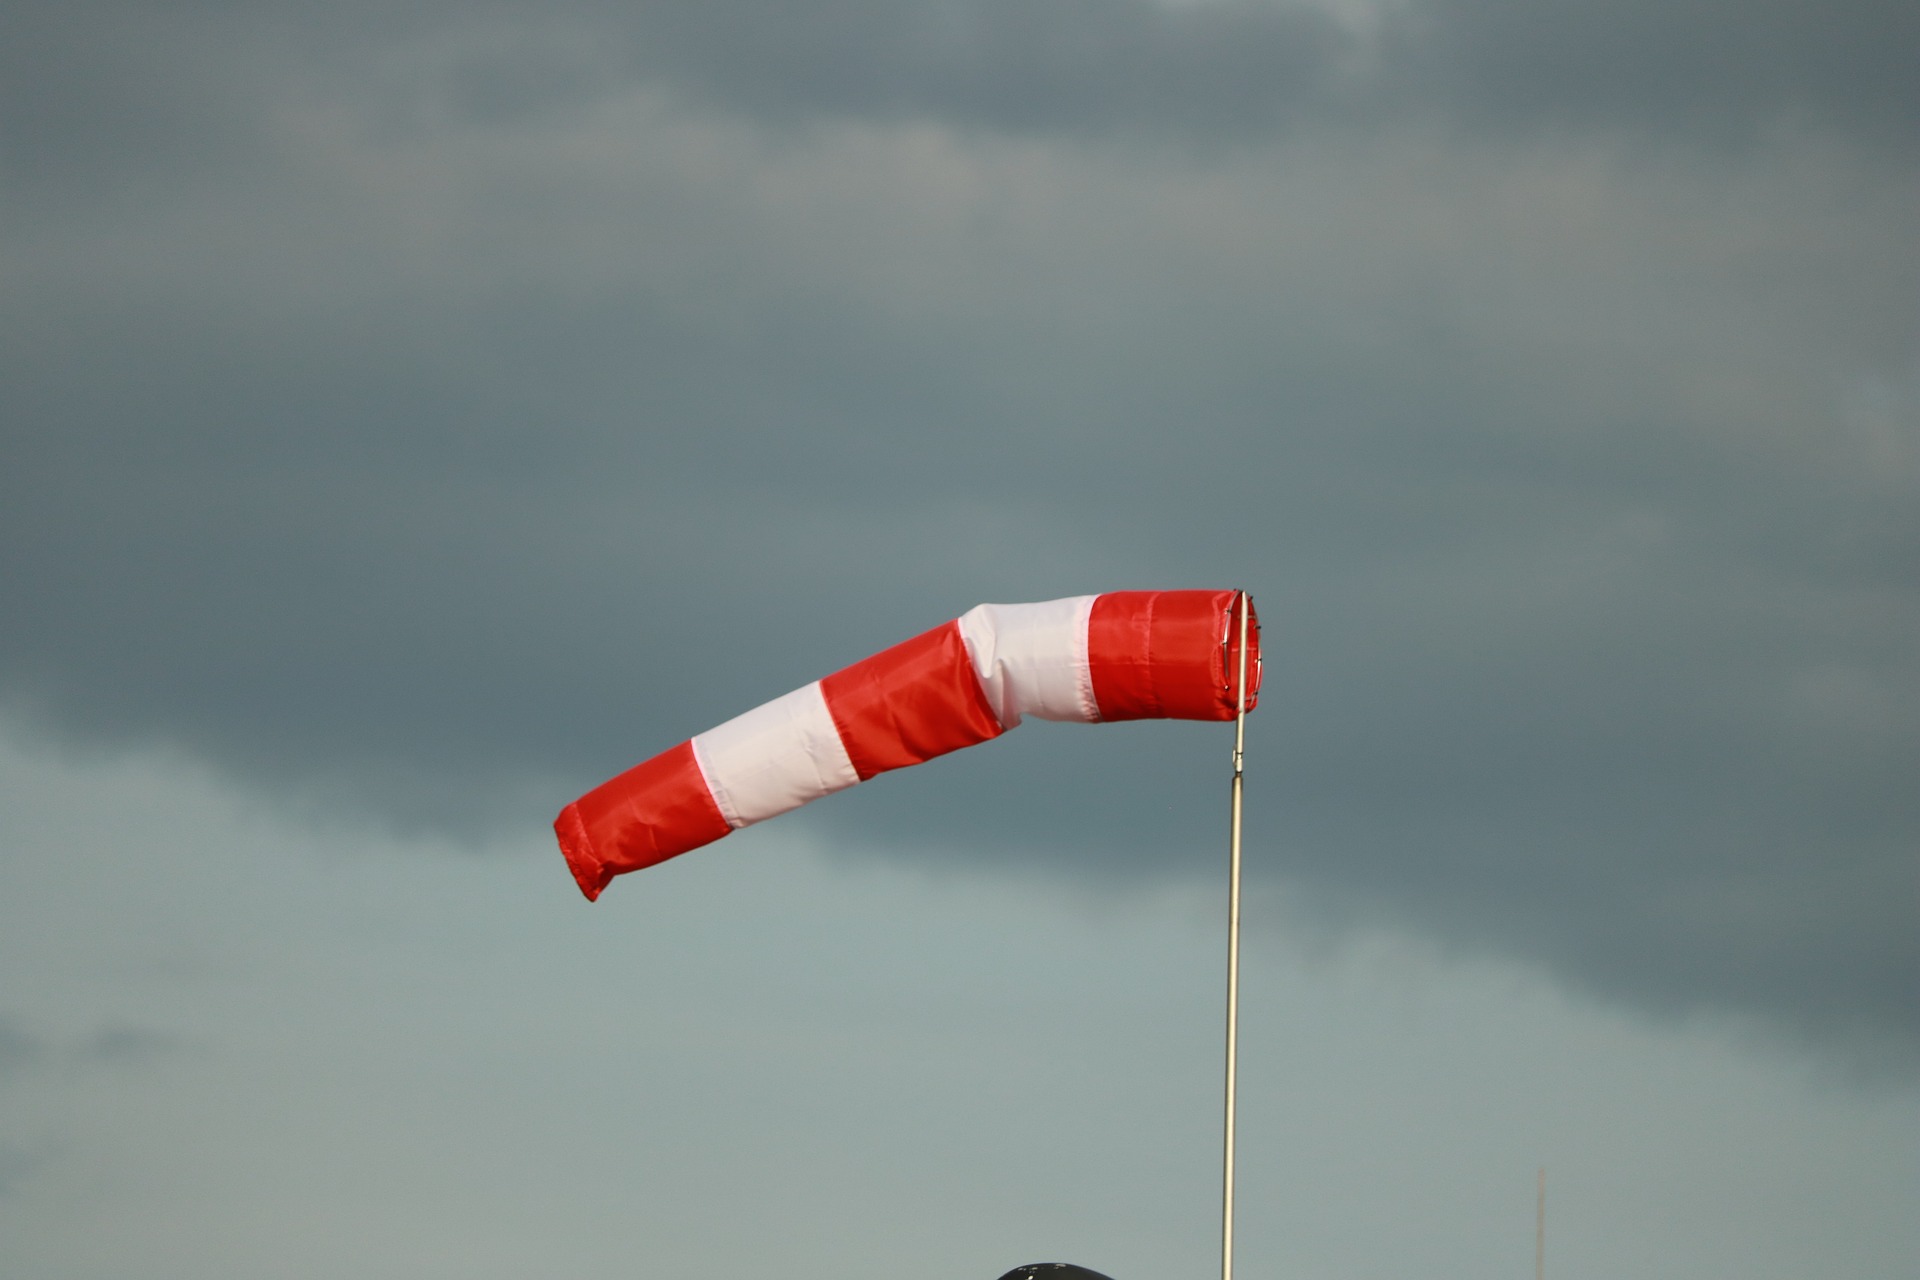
<point x="1124" y="655"/>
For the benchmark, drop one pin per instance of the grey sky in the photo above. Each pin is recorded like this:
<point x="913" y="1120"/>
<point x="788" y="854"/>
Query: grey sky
<point x="396" y="1059"/>
<point x="415" y="416"/>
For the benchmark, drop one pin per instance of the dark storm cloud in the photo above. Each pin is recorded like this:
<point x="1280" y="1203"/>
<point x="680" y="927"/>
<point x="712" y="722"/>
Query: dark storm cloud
<point x="1086" y="65"/>
<point x="1237" y="69"/>
<point x="137" y="85"/>
<point x="434" y="411"/>
<point x="129" y="81"/>
<point x="1714" y="68"/>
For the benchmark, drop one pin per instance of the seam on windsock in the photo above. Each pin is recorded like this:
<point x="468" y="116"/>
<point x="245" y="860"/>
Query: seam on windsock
<point x="721" y="801"/>
<point x="1031" y="659"/>
<point x="717" y="793"/>
<point x="1083" y="660"/>
<point x="979" y="641"/>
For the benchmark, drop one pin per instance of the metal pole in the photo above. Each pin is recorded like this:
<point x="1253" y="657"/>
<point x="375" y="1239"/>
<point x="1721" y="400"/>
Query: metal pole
<point x="1233" y="957"/>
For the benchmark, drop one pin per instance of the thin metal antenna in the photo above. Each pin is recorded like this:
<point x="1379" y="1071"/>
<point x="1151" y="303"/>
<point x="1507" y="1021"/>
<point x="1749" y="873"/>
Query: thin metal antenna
<point x="1233" y="957"/>
<point x="1540" y="1231"/>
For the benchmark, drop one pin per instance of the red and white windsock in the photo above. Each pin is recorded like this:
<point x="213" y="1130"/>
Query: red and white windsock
<point x="1125" y="655"/>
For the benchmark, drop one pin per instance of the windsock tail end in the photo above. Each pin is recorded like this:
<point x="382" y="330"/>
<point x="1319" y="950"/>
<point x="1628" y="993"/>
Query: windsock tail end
<point x="589" y="872"/>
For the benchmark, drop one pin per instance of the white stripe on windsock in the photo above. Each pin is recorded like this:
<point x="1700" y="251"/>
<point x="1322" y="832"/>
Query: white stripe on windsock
<point x="776" y="757"/>
<point x="1031" y="659"/>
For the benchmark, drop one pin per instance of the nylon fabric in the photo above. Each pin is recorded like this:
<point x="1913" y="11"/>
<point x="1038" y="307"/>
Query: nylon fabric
<point x="1164" y="655"/>
<point x="775" y="757"/>
<point x="1031" y="659"/>
<point x="658" y="809"/>
<point x="910" y="703"/>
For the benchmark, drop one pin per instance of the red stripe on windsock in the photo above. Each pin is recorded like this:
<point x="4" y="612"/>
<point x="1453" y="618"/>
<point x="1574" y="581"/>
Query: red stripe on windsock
<point x="658" y="809"/>
<point x="1169" y="655"/>
<point x="910" y="703"/>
